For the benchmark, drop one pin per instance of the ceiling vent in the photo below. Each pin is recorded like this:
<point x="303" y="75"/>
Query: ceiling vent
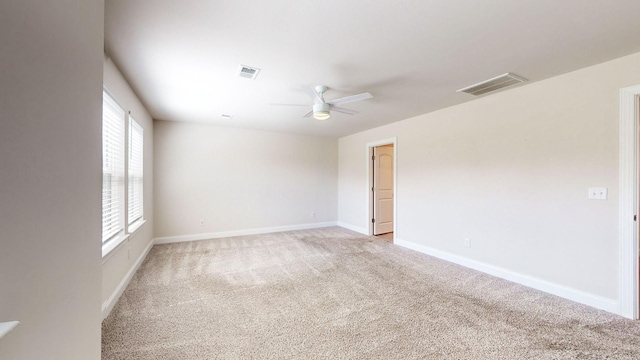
<point x="248" y="72"/>
<point x="226" y="116"/>
<point x="494" y="84"/>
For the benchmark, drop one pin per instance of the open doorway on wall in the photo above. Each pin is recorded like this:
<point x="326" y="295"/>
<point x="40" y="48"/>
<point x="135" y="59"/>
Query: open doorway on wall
<point x="629" y="201"/>
<point x="381" y="167"/>
<point x="636" y="243"/>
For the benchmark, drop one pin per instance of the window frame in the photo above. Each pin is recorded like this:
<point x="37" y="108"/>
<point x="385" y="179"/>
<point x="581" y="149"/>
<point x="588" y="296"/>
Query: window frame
<point x="127" y="228"/>
<point x="134" y="183"/>
<point x="113" y="165"/>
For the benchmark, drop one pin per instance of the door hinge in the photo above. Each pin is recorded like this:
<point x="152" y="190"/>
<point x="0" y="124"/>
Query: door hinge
<point x="373" y="189"/>
<point x="635" y="217"/>
<point x="373" y="157"/>
<point x="373" y="220"/>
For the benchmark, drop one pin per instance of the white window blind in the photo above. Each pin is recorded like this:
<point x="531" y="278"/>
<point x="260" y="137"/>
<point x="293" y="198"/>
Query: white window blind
<point x="113" y="122"/>
<point x="135" y="171"/>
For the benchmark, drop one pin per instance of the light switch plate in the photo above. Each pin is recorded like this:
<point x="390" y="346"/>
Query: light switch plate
<point x="597" y="193"/>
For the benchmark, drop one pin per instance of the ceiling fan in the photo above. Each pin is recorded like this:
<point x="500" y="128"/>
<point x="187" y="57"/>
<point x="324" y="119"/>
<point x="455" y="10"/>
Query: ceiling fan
<point x="322" y="109"/>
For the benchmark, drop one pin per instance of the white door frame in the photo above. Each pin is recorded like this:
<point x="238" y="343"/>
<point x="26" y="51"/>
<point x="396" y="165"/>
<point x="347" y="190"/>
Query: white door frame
<point x="370" y="145"/>
<point x="628" y="228"/>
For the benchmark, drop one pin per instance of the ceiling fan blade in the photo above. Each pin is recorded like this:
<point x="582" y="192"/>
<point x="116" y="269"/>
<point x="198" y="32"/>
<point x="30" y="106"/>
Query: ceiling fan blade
<point x="288" y="105"/>
<point x="343" y="110"/>
<point x="313" y="94"/>
<point x="351" y="98"/>
<point x="308" y="114"/>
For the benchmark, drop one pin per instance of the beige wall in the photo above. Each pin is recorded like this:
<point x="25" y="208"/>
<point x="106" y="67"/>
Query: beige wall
<point x="120" y="264"/>
<point x="239" y="179"/>
<point x="510" y="171"/>
<point x="50" y="168"/>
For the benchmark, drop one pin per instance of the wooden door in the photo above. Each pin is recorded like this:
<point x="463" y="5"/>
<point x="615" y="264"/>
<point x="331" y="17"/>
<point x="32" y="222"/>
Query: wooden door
<point x="383" y="189"/>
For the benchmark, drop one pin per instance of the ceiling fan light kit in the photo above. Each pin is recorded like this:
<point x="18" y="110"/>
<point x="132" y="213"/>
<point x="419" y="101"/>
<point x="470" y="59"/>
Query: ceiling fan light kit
<point x="321" y="111"/>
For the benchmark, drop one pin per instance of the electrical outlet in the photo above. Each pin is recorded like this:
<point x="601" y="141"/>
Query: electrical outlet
<point x="598" y="193"/>
<point x="467" y="242"/>
<point x="201" y="222"/>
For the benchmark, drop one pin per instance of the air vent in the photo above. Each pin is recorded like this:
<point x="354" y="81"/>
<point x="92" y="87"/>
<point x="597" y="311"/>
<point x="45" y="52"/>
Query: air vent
<point x="226" y="117"/>
<point x="494" y="84"/>
<point x="248" y="72"/>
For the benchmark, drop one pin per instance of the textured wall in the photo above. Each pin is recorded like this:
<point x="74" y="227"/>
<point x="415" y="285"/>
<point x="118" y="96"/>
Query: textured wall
<point x="50" y="176"/>
<point x="123" y="259"/>
<point x="511" y="171"/>
<point x="238" y="179"/>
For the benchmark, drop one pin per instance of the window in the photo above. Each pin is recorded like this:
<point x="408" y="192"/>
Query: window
<point x="113" y="120"/>
<point x="135" y="172"/>
<point x="122" y="173"/>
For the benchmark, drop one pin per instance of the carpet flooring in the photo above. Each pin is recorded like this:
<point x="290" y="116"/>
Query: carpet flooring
<point x="333" y="294"/>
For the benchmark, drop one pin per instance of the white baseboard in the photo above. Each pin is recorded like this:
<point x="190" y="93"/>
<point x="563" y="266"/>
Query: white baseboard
<point x="222" y="234"/>
<point x="538" y="284"/>
<point x="108" y="304"/>
<point x="353" y="228"/>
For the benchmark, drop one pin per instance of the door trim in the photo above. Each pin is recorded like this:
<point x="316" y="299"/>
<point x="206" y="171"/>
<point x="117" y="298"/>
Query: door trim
<point x="369" y="147"/>
<point x="628" y="203"/>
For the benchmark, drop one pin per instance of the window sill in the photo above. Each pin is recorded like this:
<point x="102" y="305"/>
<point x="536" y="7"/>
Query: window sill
<point x="6" y="327"/>
<point x="111" y="245"/>
<point x="133" y="228"/>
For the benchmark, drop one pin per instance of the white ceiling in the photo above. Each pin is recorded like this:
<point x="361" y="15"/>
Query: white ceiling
<point x="182" y="57"/>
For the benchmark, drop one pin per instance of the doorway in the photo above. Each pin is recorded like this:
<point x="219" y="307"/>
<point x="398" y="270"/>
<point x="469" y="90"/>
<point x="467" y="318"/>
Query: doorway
<point x="381" y="188"/>
<point x="629" y="288"/>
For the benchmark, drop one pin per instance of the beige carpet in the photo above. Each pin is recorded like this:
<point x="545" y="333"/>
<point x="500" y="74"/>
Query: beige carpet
<point x="332" y="294"/>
